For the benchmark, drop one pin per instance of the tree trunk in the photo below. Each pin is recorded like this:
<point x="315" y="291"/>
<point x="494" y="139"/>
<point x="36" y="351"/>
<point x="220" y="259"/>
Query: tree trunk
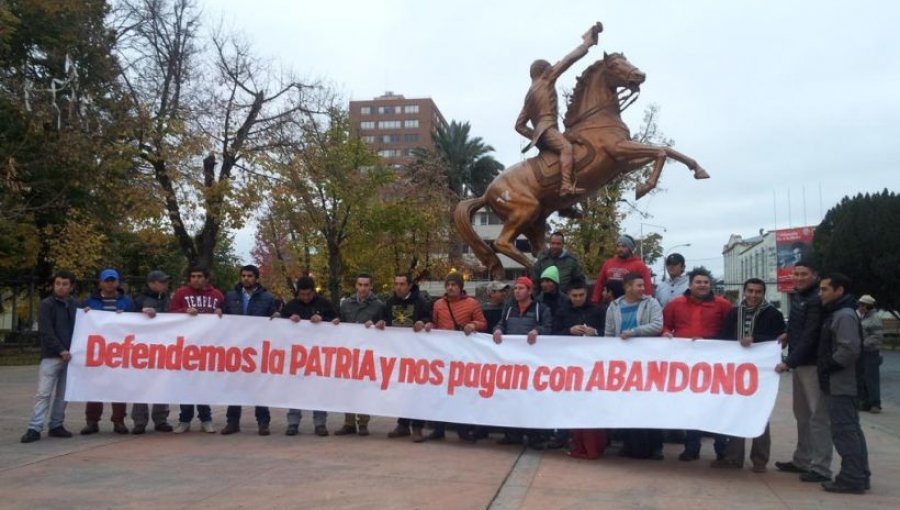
<point x="335" y="269"/>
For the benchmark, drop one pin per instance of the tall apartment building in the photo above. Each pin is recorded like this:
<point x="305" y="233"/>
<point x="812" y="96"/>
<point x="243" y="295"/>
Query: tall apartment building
<point x="393" y="125"/>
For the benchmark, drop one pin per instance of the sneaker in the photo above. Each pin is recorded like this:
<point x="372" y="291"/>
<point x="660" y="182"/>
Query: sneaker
<point x="139" y="429"/>
<point x="90" y="428"/>
<point x="417" y="436"/>
<point x="264" y="429"/>
<point x="321" y="430"/>
<point x="163" y="427"/>
<point x="874" y="410"/>
<point x="182" y="427"/>
<point x="230" y="428"/>
<point x="292" y="430"/>
<point x="31" y="436"/>
<point x="399" y="431"/>
<point x="59" y="432"/>
<point x="688" y="456"/>
<point x="345" y="430"/>
<point x="812" y="476"/>
<point x="759" y="468"/>
<point x="363" y="430"/>
<point x="789" y="467"/>
<point x="119" y="427"/>
<point x="842" y="489"/>
<point x="207" y="427"/>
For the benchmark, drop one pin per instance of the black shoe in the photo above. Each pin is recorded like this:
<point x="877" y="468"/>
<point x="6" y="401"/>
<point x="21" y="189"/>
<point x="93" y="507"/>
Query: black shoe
<point x="163" y="427"/>
<point x="688" y="456"/>
<point x="789" y="467"/>
<point x="264" y="429"/>
<point x="231" y="428"/>
<point x="435" y="435"/>
<point x="657" y="455"/>
<point x="31" y="436"/>
<point x="139" y="429"/>
<point x="321" y="430"/>
<point x="467" y="436"/>
<point x="812" y="476"/>
<point x="510" y="439"/>
<point x="536" y="444"/>
<point x="292" y="430"/>
<point x="90" y="428"/>
<point x="59" y="432"/>
<point x="556" y="443"/>
<point x="119" y="427"/>
<point x="842" y="489"/>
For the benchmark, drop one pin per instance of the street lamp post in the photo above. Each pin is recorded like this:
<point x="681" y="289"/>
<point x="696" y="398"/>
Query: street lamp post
<point x="641" y="240"/>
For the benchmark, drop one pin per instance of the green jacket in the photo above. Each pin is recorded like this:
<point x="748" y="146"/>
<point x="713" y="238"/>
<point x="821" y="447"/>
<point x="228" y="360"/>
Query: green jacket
<point x="370" y="309"/>
<point x="569" y="269"/>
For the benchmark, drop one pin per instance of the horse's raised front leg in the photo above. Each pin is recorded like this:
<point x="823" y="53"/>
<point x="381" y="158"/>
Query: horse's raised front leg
<point x="630" y="150"/>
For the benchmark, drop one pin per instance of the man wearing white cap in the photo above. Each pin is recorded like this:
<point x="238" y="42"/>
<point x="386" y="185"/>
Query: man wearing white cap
<point x="870" y="384"/>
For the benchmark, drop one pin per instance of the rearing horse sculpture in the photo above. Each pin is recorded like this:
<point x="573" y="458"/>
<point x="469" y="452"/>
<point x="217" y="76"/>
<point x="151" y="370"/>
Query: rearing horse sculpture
<point x="525" y="194"/>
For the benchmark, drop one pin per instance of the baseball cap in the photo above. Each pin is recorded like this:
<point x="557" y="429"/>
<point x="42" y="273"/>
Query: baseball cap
<point x="674" y="259"/>
<point x="867" y="300"/>
<point x="109" y="274"/>
<point x="497" y="285"/>
<point x="158" y="276"/>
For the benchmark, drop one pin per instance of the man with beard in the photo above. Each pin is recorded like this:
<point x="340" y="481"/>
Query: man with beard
<point x="615" y="268"/>
<point x="556" y="255"/>
<point x="153" y="300"/>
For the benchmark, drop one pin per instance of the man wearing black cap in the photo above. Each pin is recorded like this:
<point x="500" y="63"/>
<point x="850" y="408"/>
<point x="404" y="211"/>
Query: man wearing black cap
<point x="676" y="284"/>
<point x="497" y="294"/>
<point x="152" y="300"/>
<point x="615" y="268"/>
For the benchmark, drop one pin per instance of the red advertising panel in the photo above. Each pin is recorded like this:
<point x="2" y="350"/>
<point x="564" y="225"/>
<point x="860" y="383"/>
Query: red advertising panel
<point x="790" y="245"/>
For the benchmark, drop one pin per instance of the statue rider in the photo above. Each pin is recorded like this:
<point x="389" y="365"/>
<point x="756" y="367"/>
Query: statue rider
<point x="541" y="109"/>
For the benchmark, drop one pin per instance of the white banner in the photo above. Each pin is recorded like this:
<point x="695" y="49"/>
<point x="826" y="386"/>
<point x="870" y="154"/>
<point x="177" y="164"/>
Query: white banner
<point x="560" y="382"/>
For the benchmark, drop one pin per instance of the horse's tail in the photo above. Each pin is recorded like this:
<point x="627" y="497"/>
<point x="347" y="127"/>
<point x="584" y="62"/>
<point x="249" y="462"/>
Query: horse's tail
<point x="462" y="217"/>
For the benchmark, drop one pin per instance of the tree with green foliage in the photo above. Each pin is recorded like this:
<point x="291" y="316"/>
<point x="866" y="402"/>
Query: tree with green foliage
<point x="858" y="237"/>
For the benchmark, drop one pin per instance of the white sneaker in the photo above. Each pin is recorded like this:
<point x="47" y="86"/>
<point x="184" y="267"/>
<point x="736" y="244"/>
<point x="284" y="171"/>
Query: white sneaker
<point x="182" y="427"/>
<point x="207" y="427"/>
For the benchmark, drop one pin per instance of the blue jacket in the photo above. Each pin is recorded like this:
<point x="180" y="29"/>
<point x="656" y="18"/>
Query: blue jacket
<point x="95" y="302"/>
<point x="262" y="302"/>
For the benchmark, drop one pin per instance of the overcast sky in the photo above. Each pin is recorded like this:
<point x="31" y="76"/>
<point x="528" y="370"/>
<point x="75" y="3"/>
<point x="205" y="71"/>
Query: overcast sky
<point x="774" y="99"/>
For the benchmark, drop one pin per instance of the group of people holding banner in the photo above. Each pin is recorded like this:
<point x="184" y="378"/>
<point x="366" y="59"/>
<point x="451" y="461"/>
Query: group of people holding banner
<point x="824" y="342"/>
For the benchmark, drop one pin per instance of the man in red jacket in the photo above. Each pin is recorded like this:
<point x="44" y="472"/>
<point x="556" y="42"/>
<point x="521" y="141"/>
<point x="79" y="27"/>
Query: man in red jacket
<point x="699" y="313"/>
<point x="617" y="267"/>
<point x="198" y="296"/>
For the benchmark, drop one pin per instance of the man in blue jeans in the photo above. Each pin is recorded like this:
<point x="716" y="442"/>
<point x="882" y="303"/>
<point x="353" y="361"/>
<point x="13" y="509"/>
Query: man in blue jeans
<point x="248" y="298"/>
<point x="56" y="324"/>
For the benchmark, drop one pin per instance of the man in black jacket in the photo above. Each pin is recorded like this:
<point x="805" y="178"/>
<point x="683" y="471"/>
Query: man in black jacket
<point x="152" y="300"/>
<point x="406" y="308"/>
<point x="311" y="306"/>
<point x="812" y="457"/>
<point x="56" y="323"/>
<point x="753" y="321"/>
<point x="248" y="297"/>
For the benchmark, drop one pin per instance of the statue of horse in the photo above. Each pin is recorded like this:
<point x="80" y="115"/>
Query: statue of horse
<point x="525" y="194"/>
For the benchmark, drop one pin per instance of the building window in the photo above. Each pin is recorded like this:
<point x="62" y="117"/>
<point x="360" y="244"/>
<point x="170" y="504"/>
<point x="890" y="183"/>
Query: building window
<point x="411" y="123"/>
<point x="387" y="110"/>
<point x="389" y="153"/>
<point x="367" y="124"/>
<point x="411" y="108"/>
<point x="368" y="139"/>
<point x="366" y="110"/>
<point x="388" y="124"/>
<point x="411" y="137"/>
<point x="390" y="138"/>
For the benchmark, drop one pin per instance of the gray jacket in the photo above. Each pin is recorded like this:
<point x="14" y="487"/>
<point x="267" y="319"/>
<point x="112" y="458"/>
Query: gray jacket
<point x="56" y="323"/>
<point x="873" y="333"/>
<point x="649" y="317"/>
<point x="359" y="312"/>
<point x="840" y="344"/>
<point x="671" y="289"/>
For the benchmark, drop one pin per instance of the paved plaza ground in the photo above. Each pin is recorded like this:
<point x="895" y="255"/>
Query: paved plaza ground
<point x="196" y="470"/>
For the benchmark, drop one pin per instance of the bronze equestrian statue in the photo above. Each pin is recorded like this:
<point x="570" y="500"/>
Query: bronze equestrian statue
<point x="525" y="194"/>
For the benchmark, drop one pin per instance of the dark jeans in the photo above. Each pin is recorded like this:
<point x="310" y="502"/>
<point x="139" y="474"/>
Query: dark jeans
<point x="849" y="441"/>
<point x="692" y="443"/>
<point x="870" y="382"/>
<point x="407" y="422"/>
<point x="641" y="443"/>
<point x="233" y="415"/>
<point x="204" y="413"/>
<point x="93" y="411"/>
